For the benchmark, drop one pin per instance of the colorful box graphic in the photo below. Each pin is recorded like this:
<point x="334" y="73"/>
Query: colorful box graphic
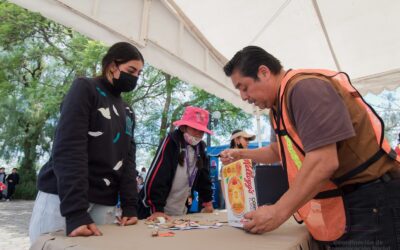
<point x="240" y="194"/>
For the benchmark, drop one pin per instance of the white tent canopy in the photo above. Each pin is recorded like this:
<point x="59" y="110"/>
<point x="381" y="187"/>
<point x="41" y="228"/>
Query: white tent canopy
<point x="193" y="39"/>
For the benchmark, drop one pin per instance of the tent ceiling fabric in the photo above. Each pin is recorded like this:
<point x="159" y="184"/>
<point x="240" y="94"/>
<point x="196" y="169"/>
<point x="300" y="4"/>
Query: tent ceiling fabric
<point x="362" y="34"/>
<point x="193" y="39"/>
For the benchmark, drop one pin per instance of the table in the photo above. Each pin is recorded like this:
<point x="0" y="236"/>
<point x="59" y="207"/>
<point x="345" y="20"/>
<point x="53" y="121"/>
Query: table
<point x="290" y="235"/>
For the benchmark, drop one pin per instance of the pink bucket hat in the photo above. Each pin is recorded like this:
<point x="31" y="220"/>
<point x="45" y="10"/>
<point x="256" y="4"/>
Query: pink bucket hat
<point x="196" y="118"/>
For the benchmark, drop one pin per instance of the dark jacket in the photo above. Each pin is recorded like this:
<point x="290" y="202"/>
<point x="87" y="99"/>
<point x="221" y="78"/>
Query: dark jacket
<point x="93" y="157"/>
<point x="154" y="194"/>
<point x="14" y="178"/>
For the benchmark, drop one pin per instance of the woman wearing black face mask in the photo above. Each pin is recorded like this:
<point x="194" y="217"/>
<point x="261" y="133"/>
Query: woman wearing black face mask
<point x="93" y="156"/>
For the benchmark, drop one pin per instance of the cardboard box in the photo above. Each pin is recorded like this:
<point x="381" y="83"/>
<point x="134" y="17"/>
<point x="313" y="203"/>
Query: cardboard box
<point x="239" y="190"/>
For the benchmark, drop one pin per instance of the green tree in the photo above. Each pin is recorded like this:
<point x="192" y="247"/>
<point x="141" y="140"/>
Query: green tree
<point x="38" y="61"/>
<point x="388" y="107"/>
<point x="156" y="113"/>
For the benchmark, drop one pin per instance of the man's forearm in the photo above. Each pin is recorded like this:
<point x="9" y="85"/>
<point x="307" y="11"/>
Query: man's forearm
<point x="315" y="172"/>
<point x="267" y="154"/>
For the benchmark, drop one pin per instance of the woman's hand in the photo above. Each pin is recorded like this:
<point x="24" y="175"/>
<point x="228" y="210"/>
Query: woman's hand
<point x="154" y="216"/>
<point x="126" y="221"/>
<point x="208" y="207"/>
<point x="86" y="230"/>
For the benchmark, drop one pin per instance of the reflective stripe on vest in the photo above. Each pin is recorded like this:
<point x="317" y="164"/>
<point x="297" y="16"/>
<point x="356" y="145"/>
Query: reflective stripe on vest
<point x="295" y="158"/>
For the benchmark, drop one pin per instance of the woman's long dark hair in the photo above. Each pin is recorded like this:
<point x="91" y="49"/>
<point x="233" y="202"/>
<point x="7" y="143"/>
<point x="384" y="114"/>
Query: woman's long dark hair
<point x="182" y="151"/>
<point x="120" y="53"/>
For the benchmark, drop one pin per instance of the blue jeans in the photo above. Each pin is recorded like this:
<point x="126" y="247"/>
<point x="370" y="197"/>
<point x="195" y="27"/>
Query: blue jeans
<point x="373" y="214"/>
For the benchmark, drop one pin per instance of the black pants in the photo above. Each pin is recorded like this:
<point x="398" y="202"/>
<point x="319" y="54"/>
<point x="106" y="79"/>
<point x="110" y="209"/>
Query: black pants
<point x="373" y="218"/>
<point x="10" y="190"/>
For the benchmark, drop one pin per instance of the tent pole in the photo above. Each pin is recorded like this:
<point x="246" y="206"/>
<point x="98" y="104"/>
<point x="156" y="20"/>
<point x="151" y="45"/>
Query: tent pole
<point x="258" y="127"/>
<point x="144" y="27"/>
<point x="328" y="40"/>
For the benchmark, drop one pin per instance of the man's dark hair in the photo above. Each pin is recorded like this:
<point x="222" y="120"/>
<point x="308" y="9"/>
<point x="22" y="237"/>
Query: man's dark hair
<point x="249" y="59"/>
<point x="120" y="53"/>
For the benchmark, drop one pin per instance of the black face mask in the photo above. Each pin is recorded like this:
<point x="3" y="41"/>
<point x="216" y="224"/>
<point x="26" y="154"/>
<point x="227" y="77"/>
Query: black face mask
<point x="126" y="82"/>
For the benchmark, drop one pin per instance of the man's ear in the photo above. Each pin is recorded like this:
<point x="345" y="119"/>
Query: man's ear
<point x="263" y="71"/>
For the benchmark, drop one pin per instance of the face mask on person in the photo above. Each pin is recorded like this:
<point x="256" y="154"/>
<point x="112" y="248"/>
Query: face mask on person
<point x="126" y="82"/>
<point x="191" y="139"/>
<point x="239" y="145"/>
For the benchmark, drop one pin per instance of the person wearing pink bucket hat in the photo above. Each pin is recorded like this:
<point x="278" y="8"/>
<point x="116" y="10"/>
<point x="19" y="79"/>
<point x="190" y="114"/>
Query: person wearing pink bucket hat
<point x="179" y="167"/>
<point x="196" y="118"/>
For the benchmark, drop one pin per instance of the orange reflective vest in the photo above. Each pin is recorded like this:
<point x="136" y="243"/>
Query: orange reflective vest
<point x="325" y="215"/>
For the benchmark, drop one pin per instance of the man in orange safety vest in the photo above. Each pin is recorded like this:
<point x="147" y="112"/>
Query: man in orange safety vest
<point x="342" y="172"/>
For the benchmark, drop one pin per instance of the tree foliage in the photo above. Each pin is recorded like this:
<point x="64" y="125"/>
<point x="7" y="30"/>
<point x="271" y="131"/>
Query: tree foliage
<point x="39" y="60"/>
<point x="169" y="96"/>
<point x="388" y="107"/>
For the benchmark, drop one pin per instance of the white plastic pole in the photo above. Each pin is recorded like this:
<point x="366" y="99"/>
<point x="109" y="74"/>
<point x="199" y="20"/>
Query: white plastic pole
<point x="258" y="127"/>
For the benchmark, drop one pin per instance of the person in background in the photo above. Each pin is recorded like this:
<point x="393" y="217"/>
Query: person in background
<point x="179" y="166"/>
<point x="93" y="156"/>
<point x="140" y="182"/>
<point x="3" y="186"/>
<point x="12" y="181"/>
<point x="342" y="172"/>
<point x="143" y="173"/>
<point x="241" y="139"/>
